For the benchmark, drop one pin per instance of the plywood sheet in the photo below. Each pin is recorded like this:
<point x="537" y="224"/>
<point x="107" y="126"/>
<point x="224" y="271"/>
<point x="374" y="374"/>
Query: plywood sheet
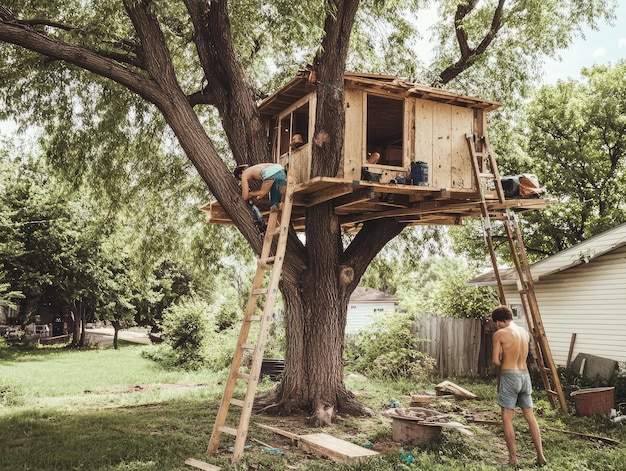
<point x="461" y="170"/>
<point x="336" y="449"/>
<point x="194" y="463"/>
<point x="442" y="146"/>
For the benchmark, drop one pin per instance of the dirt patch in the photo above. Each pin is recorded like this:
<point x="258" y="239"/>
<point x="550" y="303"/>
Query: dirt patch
<point x="150" y="387"/>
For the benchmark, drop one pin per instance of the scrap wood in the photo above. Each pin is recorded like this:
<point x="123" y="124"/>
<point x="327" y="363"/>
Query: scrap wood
<point x="284" y="433"/>
<point x="336" y="449"/>
<point x="458" y="426"/>
<point x="450" y="387"/>
<point x="201" y="465"/>
<point x="427" y="417"/>
<point x="606" y="440"/>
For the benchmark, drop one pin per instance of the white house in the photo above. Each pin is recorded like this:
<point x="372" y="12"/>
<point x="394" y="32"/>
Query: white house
<point x="364" y="302"/>
<point x="581" y="293"/>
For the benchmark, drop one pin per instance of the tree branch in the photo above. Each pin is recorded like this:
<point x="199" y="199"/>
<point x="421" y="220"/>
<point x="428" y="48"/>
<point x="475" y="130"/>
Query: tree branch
<point x="14" y="32"/>
<point x="469" y="55"/>
<point x="369" y="241"/>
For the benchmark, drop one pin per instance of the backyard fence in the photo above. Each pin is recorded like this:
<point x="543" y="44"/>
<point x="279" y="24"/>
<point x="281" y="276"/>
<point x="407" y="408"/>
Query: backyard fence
<point x="461" y="347"/>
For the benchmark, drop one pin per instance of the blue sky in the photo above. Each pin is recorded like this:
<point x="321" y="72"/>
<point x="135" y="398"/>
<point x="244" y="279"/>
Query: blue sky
<point x="608" y="45"/>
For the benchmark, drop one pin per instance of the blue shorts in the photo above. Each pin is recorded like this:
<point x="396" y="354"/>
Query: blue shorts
<point x="515" y="389"/>
<point x="277" y="173"/>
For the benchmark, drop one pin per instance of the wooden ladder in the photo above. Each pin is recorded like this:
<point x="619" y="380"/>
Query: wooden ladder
<point x="486" y="170"/>
<point x="270" y="262"/>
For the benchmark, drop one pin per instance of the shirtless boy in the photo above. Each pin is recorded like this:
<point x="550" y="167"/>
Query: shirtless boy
<point x="510" y="349"/>
<point x="272" y="176"/>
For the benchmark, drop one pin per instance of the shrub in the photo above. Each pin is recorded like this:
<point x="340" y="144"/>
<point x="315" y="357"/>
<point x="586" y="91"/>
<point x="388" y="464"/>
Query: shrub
<point x="387" y="349"/>
<point x="186" y="327"/>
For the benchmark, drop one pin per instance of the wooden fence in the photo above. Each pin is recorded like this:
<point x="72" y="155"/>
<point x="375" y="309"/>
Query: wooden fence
<point x="461" y="347"/>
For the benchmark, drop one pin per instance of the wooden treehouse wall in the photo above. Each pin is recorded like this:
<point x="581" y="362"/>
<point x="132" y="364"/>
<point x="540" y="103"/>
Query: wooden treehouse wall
<point x="431" y="132"/>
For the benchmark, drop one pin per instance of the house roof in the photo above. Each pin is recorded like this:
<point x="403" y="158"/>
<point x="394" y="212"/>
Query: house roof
<point x="578" y="254"/>
<point x="305" y="82"/>
<point x="362" y="294"/>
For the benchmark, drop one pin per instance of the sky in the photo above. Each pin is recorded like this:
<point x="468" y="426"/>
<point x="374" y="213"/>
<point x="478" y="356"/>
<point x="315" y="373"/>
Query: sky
<point x="606" y="46"/>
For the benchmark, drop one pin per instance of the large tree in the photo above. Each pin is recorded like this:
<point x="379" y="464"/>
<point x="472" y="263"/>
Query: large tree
<point x="191" y="58"/>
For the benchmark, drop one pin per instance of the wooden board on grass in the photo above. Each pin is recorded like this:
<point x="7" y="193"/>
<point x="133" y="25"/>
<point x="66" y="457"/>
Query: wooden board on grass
<point x="334" y="448"/>
<point x="201" y="465"/>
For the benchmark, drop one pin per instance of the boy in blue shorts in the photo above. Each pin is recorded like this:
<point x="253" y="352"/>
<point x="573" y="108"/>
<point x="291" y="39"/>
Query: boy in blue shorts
<point x="510" y="350"/>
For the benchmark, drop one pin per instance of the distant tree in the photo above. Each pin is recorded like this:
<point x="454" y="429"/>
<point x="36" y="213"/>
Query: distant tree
<point x="437" y="286"/>
<point x="577" y="142"/>
<point x="574" y="137"/>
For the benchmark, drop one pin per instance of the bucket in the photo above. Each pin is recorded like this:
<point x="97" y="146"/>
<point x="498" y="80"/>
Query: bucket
<point x="272" y="368"/>
<point x="419" y="173"/>
<point x="593" y="401"/>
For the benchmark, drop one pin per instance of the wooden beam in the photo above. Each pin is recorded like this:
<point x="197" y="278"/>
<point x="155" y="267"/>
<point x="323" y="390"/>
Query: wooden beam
<point x="326" y="195"/>
<point x="359" y="195"/>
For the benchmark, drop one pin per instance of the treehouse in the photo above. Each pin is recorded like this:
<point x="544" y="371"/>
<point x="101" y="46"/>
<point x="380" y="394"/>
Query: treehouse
<point x="413" y="153"/>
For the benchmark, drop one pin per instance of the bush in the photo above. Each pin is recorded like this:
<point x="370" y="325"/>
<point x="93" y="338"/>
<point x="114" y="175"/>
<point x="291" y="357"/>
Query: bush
<point x="197" y="336"/>
<point x="387" y="349"/>
<point x="185" y="327"/>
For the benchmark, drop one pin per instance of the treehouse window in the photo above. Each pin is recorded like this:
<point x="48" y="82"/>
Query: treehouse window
<point x="384" y="129"/>
<point x="294" y="129"/>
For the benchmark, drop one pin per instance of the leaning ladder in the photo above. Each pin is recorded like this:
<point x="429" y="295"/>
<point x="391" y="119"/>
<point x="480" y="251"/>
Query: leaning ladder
<point x="270" y="262"/>
<point x="485" y="170"/>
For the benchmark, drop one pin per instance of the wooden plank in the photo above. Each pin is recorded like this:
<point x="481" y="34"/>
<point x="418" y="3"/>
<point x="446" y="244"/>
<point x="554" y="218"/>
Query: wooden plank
<point x="461" y="170"/>
<point x="285" y="433"/>
<point x="455" y="389"/>
<point x="424" y="135"/>
<point x="442" y="147"/>
<point x="201" y="465"/>
<point x="333" y="448"/>
<point x="354" y="154"/>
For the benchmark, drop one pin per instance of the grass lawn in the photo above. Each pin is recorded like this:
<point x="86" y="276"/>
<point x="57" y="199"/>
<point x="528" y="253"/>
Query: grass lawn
<point x="107" y="410"/>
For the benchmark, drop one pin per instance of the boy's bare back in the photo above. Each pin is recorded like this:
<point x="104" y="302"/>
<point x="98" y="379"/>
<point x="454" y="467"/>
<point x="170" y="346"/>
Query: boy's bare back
<point x="513" y="342"/>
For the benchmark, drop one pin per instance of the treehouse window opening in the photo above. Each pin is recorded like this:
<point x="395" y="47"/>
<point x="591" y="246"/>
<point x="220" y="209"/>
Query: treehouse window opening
<point x="294" y="129"/>
<point x="385" y="118"/>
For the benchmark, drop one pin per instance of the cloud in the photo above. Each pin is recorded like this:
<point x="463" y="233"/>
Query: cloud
<point x="599" y="52"/>
<point x="621" y="43"/>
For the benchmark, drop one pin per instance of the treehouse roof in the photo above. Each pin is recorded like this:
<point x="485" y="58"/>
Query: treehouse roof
<point x="304" y="83"/>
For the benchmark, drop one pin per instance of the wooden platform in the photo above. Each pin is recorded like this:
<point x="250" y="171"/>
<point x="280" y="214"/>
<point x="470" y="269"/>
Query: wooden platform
<point x="358" y="201"/>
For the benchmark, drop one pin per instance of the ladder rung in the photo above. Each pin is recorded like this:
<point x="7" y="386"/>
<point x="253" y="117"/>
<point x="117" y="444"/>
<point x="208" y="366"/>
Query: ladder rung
<point x="264" y="262"/>
<point x="245" y="376"/>
<point x="259" y="291"/>
<point x="248" y="346"/>
<point x="237" y="402"/>
<point x="254" y="318"/>
<point x="228" y="430"/>
<point x="550" y="391"/>
<point x="486" y="175"/>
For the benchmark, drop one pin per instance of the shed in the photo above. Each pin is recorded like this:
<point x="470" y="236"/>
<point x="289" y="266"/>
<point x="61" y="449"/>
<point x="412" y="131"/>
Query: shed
<point x="425" y="172"/>
<point x="364" y="303"/>
<point x="582" y="297"/>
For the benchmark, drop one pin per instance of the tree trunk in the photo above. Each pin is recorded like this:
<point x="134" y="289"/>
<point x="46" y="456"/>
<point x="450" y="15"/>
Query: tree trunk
<point x="116" y="332"/>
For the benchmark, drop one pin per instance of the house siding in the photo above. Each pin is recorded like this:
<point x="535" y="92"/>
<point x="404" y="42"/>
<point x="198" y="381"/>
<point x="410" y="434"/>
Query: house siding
<point x="360" y="314"/>
<point x="588" y="300"/>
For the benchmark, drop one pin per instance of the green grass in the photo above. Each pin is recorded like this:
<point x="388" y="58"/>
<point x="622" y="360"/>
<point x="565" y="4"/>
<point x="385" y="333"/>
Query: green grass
<point x="113" y="410"/>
